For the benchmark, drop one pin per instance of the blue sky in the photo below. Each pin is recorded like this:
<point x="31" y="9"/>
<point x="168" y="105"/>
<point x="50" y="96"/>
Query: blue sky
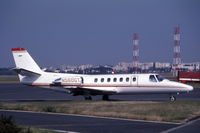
<point x="98" y="32"/>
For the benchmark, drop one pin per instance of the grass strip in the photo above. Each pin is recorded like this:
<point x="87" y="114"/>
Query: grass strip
<point x="26" y="129"/>
<point x="154" y="111"/>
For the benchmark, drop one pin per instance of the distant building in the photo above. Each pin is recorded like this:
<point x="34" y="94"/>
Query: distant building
<point x="162" y="65"/>
<point x="122" y="66"/>
<point x="146" y="66"/>
<point x="125" y="67"/>
<point x="190" y="66"/>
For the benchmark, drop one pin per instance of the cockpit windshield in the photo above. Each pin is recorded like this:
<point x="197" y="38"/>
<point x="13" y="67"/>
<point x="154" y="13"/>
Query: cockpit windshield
<point x="152" y="78"/>
<point x="160" y="78"/>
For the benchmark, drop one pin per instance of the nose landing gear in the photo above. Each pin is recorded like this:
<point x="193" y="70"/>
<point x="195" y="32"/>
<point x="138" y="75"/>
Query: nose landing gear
<point x="172" y="98"/>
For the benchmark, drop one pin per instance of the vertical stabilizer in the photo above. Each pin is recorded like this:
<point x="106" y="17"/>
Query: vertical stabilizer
<point x="24" y="61"/>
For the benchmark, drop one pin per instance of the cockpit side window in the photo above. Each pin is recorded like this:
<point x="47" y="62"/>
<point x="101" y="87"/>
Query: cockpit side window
<point x="152" y="78"/>
<point x="160" y="78"/>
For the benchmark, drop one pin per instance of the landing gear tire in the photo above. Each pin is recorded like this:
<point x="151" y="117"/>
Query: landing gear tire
<point x="105" y="97"/>
<point x="88" y="98"/>
<point x="172" y="98"/>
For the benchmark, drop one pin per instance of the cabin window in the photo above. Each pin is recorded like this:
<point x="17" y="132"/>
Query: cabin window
<point x="96" y="79"/>
<point x="108" y="79"/>
<point x="121" y="79"/>
<point x="102" y="79"/>
<point x="127" y="79"/>
<point x="115" y="80"/>
<point x="134" y="79"/>
<point x="152" y="78"/>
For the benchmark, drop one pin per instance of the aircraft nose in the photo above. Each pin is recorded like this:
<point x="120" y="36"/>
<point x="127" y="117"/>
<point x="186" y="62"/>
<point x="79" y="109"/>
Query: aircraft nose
<point x="189" y="87"/>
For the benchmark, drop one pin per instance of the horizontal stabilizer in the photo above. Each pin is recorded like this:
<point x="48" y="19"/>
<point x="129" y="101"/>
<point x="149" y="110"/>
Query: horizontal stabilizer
<point x="25" y="72"/>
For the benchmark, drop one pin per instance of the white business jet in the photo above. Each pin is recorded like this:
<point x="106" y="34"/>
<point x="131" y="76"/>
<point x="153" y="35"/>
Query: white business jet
<point x="90" y="85"/>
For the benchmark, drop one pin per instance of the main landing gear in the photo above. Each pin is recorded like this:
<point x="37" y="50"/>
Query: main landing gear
<point x="105" y="97"/>
<point x="88" y="98"/>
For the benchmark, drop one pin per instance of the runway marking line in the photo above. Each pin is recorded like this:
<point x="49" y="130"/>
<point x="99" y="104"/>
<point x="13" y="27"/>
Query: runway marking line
<point x="181" y="126"/>
<point x="90" y="116"/>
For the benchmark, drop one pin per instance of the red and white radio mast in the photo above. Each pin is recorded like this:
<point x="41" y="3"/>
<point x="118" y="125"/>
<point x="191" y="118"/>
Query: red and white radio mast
<point x="135" y="52"/>
<point x="177" y="57"/>
<point x="177" y="50"/>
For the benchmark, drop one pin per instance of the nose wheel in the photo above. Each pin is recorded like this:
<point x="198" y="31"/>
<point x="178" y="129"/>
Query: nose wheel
<point x="172" y="98"/>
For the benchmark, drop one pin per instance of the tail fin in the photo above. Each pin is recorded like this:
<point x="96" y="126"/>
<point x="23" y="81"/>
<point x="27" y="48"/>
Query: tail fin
<point x="24" y="61"/>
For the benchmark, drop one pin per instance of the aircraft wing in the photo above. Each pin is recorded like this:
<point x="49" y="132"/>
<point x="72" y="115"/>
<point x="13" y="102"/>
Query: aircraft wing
<point x="90" y="91"/>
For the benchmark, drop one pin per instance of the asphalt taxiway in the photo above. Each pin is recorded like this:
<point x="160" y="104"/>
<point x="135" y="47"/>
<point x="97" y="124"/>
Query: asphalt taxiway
<point x="86" y="124"/>
<point x="17" y="92"/>
<point x="68" y="123"/>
